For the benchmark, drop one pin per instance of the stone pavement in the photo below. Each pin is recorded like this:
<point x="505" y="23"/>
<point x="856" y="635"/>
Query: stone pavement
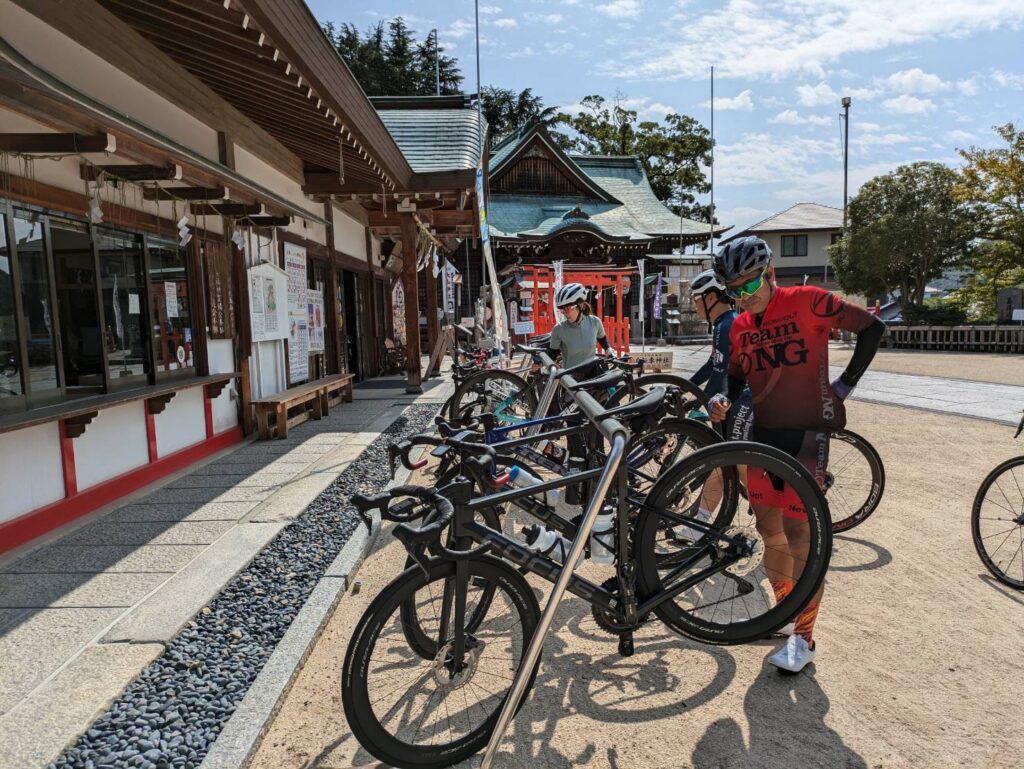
<point x="957" y="397"/>
<point x="82" y="614"/>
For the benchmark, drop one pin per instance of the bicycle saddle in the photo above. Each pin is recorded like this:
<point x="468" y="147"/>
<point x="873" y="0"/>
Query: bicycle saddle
<point x="611" y="379"/>
<point x="649" y="404"/>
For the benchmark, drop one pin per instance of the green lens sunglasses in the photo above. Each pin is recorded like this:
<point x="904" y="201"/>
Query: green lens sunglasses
<point x="749" y="288"/>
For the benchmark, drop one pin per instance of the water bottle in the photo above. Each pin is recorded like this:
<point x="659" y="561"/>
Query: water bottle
<point x="521" y="479"/>
<point x="602" y="538"/>
<point x="550" y="543"/>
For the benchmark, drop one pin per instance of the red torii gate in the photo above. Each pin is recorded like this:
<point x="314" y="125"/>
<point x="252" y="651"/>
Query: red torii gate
<point x="541" y="282"/>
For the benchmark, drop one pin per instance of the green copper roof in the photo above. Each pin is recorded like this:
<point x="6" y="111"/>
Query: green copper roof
<point x="435" y="139"/>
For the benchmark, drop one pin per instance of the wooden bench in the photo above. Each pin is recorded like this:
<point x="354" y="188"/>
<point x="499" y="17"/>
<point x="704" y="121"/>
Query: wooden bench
<point x="337" y="389"/>
<point x="320" y="394"/>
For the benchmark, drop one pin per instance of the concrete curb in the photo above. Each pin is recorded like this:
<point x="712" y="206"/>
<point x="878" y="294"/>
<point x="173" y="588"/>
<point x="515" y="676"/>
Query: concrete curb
<point x="244" y="731"/>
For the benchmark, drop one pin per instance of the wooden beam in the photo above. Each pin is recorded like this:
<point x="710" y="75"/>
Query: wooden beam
<point x="40" y="143"/>
<point x="94" y="27"/>
<point x="228" y="209"/>
<point x="269" y="221"/>
<point x="132" y="173"/>
<point x="185" y="193"/>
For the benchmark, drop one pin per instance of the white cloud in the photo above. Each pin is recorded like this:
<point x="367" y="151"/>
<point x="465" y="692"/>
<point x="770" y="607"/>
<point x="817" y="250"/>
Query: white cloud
<point x="740" y="101"/>
<point x="816" y="95"/>
<point x="545" y="18"/>
<point x="558" y="48"/>
<point x="792" y="117"/>
<point x="459" y="28"/>
<point x="871" y="140"/>
<point x="909" y="105"/>
<point x="761" y="39"/>
<point x="505" y="23"/>
<point x="956" y="135"/>
<point x="489" y="10"/>
<point x="620" y="9"/>
<point x="522" y="53"/>
<point x="1008" y="80"/>
<point x="915" y="80"/>
<point x="760" y="158"/>
<point x="826" y="186"/>
<point x="741" y="217"/>
<point x="645" y="108"/>
<point x="968" y="86"/>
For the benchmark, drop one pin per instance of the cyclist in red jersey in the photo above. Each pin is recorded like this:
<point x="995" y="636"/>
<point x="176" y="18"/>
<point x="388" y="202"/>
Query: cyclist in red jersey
<point x="779" y="348"/>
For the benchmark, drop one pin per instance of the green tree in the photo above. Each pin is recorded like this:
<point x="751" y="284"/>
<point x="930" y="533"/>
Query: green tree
<point x="507" y="111"/>
<point x="905" y="229"/>
<point x="992" y="181"/>
<point x="994" y="265"/>
<point x="674" y="152"/>
<point x="393" y="63"/>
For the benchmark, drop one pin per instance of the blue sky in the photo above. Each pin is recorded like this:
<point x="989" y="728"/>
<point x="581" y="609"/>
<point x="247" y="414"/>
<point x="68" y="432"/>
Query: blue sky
<point x="925" y="76"/>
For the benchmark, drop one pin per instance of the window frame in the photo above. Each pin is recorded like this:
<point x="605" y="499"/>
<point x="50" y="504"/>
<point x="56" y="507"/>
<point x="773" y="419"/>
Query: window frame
<point x="181" y="373"/>
<point x="796" y="246"/>
<point x="133" y="382"/>
<point x="15" y="402"/>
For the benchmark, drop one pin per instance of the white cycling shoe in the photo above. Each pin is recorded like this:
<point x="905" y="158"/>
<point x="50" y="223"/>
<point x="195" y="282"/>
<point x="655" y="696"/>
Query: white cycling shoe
<point x="794" y="656"/>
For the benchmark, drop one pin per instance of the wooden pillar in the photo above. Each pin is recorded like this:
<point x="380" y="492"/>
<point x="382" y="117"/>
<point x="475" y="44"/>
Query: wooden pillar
<point x="413" y="382"/>
<point x="433" y="324"/>
<point x="332" y="322"/>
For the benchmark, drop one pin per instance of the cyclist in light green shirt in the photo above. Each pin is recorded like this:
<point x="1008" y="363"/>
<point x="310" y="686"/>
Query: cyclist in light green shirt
<point x="576" y="337"/>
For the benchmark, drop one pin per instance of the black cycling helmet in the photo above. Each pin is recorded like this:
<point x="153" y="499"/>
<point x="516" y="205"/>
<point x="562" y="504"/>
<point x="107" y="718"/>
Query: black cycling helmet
<point x="740" y="257"/>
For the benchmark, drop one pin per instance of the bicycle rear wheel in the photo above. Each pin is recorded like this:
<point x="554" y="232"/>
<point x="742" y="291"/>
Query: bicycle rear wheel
<point x="720" y="584"/>
<point x="997" y="522"/>
<point x="855" y="480"/>
<point x="429" y="714"/>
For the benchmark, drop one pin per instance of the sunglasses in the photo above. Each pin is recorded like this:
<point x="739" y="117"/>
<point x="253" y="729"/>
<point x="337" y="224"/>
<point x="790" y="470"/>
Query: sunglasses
<point x="749" y="288"/>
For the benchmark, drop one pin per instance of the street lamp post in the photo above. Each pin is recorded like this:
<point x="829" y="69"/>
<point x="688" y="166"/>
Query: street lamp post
<point x="437" y="62"/>
<point x="846" y="154"/>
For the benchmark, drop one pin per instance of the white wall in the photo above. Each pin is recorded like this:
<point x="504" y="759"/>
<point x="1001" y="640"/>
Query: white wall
<point x="349" y="235"/>
<point x="31" y="475"/>
<point x="182" y="423"/>
<point x="250" y="166"/>
<point x="817" y="245"/>
<point x="113" y="443"/>
<point x="67" y="60"/>
<point x="222" y="359"/>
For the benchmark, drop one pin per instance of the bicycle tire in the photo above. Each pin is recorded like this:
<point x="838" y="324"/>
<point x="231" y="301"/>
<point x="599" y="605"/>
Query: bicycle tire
<point x="1014" y="514"/>
<point x="847" y="515"/>
<point x="356" y="689"/>
<point x="418" y="639"/>
<point x="471" y="399"/>
<point x="687" y="431"/>
<point x="751" y="628"/>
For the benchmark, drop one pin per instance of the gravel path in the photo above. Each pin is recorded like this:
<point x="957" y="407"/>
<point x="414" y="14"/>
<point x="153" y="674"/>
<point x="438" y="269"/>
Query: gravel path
<point x="170" y="716"/>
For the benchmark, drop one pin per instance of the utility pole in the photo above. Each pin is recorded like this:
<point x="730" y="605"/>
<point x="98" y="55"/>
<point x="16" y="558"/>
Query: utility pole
<point x="711" y="210"/>
<point x="437" y="61"/>
<point x="846" y="155"/>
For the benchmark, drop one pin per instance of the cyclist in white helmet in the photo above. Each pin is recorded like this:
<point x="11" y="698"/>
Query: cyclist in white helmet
<point x="576" y="337"/>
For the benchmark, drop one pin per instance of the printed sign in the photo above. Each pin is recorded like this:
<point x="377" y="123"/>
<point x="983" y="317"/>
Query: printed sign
<point x="315" y="306"/>
<point x="171" y="297"/>
<point x="268" y="315"/>
<point x="298" y="313"/>
<point x="524" y="327"/>
<point x="133" y="304"/>
<point x="468" y="322"/>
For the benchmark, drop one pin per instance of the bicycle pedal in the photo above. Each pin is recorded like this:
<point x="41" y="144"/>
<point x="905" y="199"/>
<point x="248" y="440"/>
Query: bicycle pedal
<point x="626" y="645"/>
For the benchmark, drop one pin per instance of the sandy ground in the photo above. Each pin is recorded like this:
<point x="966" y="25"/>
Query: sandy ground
<point x="921" y="654"/>
<point x="977" y="366"/>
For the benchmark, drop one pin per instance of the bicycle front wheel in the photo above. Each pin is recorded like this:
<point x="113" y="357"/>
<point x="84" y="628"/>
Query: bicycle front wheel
<point x="716" y="587"/>
<point x="429" y="714"/>
<point x="997" y="522"/>
<point x="493" y="391"/>
<point x="854" y="481"/>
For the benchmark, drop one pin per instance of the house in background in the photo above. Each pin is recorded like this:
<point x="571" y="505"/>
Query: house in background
<point x="799" y="237"/>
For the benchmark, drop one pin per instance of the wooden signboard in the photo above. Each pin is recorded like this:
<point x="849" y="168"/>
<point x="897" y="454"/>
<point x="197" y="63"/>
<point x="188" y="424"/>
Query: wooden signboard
<point x="220" y="298"/>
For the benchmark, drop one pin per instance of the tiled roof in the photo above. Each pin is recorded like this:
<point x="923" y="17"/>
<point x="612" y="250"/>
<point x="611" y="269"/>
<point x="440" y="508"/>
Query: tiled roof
<point x="436" y="139"/>
<point x="802" y="216"/>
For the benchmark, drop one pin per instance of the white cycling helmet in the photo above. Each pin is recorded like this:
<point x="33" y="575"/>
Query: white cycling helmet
<point x="570" y="294"/>
<point x="706" y="281"/>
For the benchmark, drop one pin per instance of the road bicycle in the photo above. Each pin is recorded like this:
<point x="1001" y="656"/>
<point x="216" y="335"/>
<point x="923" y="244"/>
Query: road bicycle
<point x="433" y="692"/>
<point x="997" y="520"/>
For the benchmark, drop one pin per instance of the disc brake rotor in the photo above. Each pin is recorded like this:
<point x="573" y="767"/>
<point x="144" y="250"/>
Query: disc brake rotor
<point x="750" y="562"/>
<point x="440" y="667"/>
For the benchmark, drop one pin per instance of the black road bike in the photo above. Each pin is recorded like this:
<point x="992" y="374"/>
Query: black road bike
<point x="997" y="520"/>
<point x="437" y="695"/>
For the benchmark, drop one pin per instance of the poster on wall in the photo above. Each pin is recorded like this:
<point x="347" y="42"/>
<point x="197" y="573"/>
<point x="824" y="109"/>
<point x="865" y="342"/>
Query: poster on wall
<point x="171" y="294"/>
<point x="398" y="311"/>
<point x="298" y="313"/>
<point x="298" y="347"/>
<point x="269" y="315"/>
<point x="315" y="307"/>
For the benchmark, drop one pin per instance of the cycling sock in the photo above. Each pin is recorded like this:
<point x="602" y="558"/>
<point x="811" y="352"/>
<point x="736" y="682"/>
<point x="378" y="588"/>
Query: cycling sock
<point x="805" y="622"/>
<point x="782" y="588"/>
